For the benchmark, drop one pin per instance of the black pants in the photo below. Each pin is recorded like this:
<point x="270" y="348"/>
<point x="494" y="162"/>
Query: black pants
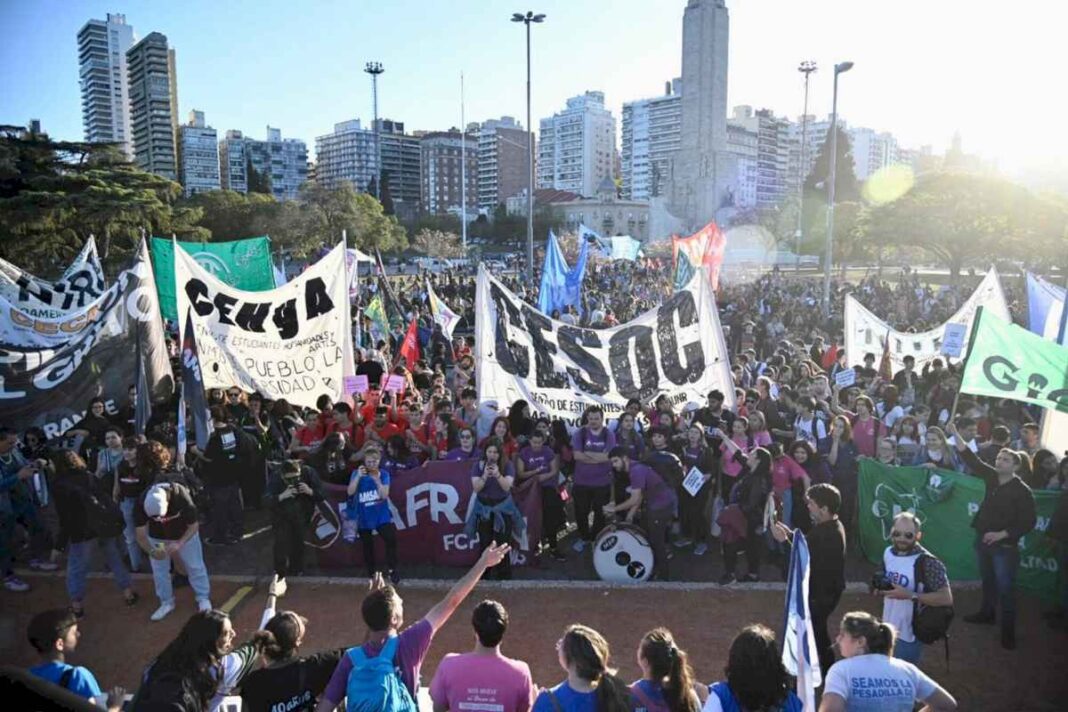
<point x="388" y="532"/>
<point x="657" y="525"/>
<point x="487" y="536"/>
<point x="590" y="499"/>
<point x="821" y="609"/>
<point x="752" y="544"/>
<point x="694" y="513"/>
<point x="253" y="482"/>
<point x="289" y="530"/>
<point x="553" y="516"/>
<point x="227" y="517"/>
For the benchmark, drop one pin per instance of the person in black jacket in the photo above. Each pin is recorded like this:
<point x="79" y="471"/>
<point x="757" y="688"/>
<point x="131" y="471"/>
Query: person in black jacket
<point x="292" y="494"/>
<point x="693" y="509"/>
<point x="228" y="458"/>
<point x="1006" y="514"/>
<point x="74" y="495"/>
<point x="750" y="493"/>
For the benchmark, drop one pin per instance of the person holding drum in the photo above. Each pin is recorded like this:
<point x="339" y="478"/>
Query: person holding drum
<point x="494" y="515"/>
<point x="646" y="488"/>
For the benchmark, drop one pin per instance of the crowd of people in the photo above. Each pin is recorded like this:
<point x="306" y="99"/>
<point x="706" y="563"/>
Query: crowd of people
<point x="785" y="458"/>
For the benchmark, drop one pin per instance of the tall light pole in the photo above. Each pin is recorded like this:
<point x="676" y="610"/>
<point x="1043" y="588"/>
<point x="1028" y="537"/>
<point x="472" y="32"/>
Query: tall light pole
<point x="374" y="69"/>
<point x="838" y="69"/>
<point x="807" y="68"/>
<point x="527" y="20"/>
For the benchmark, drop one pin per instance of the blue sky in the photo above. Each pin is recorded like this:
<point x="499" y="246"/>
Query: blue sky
<point x="923" y="69"/>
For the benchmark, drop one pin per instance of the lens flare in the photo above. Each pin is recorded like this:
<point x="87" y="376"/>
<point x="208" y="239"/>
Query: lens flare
<point x="888" y="184"/>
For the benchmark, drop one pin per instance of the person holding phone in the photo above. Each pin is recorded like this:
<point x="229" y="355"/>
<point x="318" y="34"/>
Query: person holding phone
<point x="369" y="505"/>
<point x="494" y="516"/>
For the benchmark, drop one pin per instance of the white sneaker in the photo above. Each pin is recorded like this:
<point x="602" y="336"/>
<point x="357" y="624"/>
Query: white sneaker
<point x="163" y="611"/>
<point x="203" y="605"/>
<point x="701" y="549"/>
<point x="14" y="583"/>
<point x="40" y="565"/>
<point x="579" y="545"/>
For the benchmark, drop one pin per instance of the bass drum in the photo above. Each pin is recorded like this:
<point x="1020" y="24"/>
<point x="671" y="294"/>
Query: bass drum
<point x="622" y="554"/>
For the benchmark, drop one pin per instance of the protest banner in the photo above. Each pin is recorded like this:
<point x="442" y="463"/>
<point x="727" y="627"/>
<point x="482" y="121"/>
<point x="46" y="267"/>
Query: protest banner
<point x="292" y="342"/>
<point x="81" y="284"/>
<point x="1045" y="308"/>
<point x="430" y="506"/>
<point x="51" y="387"/>
<point x="705" y="248"/>
<point x="244" y="264"/>
<point x="945" y="503"/>
<point x="865" y="332"/>
<point x="560" y="369"/>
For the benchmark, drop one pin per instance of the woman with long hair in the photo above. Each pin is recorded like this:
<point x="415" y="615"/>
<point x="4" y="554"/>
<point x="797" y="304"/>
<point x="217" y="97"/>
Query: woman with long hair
<point x="74" y="493"/>
<point x="886" y="452"/>
<point x="756" y="680"/>
<point x="520" y="424"/>
<point x="592" y="683"/>
<point x="628" y="436"/>
<point x="538" y="461"/>
<point x="866" y="645"/>
<point x="815" y="467"/>
<point x="501" y="431"/>
<point x="494" y="516"/>
<point x="749" y="494"/>
<point x="908" y="437"/>
<point x="937" y="452"/>
<point x="842" y="457"/>
<point x="667" y="683"/>
<point x="91" y="429"/>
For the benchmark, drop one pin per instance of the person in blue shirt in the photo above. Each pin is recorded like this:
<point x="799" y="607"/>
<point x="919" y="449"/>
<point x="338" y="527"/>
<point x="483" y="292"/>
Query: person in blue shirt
<point x="591" y="684"/>
<point x="756" y="677"/>
<point x="368" y="505"/>
<point x="53" y="634"/>
<point x="667" y="683"/>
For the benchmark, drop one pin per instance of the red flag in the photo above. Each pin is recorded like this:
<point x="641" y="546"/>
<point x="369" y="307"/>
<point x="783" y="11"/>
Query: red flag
<point x="829" y="357"/>
<point x="705" y="247"/>
<point x="409" y="350"/>
<point x="886" y="369"/>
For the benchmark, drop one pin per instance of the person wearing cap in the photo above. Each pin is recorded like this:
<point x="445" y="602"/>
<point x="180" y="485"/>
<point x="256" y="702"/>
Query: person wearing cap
<point x="167" y="527"/>
<point x="292" y="494"/>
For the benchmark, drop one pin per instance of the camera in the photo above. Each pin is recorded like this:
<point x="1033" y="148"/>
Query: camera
<point x="881" y="582"/>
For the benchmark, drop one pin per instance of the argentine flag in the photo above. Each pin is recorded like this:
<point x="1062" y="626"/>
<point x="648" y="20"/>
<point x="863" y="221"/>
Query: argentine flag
<point x="1045" y="308"/>
<point x="799" y="640"/>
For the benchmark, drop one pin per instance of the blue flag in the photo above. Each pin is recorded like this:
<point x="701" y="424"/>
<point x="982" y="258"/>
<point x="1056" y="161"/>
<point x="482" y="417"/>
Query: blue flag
<point x="799" y="653"/>
<point x="1045" y="308"/>
<point x="684" y="271"/>
<point x="561" y="285"/>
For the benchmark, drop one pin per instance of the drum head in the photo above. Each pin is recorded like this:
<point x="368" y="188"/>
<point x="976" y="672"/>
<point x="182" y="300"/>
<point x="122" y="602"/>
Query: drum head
<point x="622" y="554"/>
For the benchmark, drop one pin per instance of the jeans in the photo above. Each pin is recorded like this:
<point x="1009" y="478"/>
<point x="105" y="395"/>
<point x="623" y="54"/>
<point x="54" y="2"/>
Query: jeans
<point x="388" y="532"/>
<point x="227" y="516"/>
<point x="129" y="532"/>
<point x="590" y="499"/>
<point x="997" y="567"/>
<point x="192" y="556"/>
<point x="909" y="652"/>
<point x="79" y="557"/>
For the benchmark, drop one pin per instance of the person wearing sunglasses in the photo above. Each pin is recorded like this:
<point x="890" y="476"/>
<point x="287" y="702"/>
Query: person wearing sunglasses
<point x="465" y="449"/>
<point x="910" y="577"/>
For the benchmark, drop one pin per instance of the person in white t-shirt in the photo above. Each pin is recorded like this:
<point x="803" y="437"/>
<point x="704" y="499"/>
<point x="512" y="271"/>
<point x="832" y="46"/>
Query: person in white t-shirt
<point x="867" y="679"/>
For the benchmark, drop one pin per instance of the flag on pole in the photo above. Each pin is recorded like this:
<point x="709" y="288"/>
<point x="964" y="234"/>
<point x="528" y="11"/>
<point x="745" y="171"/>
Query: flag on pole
<point x="799" y="653"/>
<point x="1045" y="308"/>
<point x="409" y="350"/>
<point x="180" y="444"/>
<point x="193" y="386"/>
<point x="684" y="271"/>
<point x="705" y="248"/>
<point x="375" y="311"/>
<point x="443" y="316"/>
<point x="886" y="367"/>
<point x="143" y="394"/>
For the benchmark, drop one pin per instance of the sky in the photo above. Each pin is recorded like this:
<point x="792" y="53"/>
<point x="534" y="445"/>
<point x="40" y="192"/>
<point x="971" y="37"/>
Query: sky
<point x="923" y="68"/>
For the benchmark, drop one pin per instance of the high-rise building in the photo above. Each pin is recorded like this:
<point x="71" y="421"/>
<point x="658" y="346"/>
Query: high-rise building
<point x="503" y="161"/>
<point x="105" y="85"/>
<point x="153" y="105"/>
<point x="446" y="157"/>
<point x="348" y="155"/>
<point x="401" y="159"/>
<point x="577" y="146"/>
<point x="873" y="151"/>
<point x="743" y="143"/>
<point x="233" y="162"/>
<point x="651" y="132"/>
<point x="280" y="163"/>
<point x="198" y="156"/>
<point x="773" y="152"/>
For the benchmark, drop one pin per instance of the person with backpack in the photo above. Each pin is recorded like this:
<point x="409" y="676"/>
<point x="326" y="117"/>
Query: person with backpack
<point x="756" y="677"/>
<point x="85" y="517"/>
<point x="592" y="684"/>
<point x="54" y="634"/>
<point x="911" y="579"/>
<point x="382" y="675"/>
<point x="667" y="683"/>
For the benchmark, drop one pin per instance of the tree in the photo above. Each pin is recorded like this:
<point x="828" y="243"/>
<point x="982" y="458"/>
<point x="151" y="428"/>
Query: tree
<point x="386" y="198"/>
<point x="845" y="179"/>
<point x="326" y="213"/>
<point x="229" y="215"/>
<point x="435" y="243"/>
<point x="55" y="194"/>
<point x="257" y="182"/>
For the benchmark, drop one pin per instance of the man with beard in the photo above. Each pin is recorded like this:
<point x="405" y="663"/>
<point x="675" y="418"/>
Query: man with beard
<point x="648" y="488"/>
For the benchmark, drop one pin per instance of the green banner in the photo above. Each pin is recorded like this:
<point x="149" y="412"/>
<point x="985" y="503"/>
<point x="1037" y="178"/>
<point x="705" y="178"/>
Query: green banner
<point x="946" y="503"/>
<point x="1008" y="361"/>
<point x="245" y="264"/>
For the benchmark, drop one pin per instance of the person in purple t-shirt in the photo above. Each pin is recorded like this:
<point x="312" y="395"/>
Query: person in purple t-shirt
<point x="593" y="474"/>
<point x="648" y="488"/>
<point x="466" y="449"/>
<point x="383" y="613"/>
<point x="539" y="461"/>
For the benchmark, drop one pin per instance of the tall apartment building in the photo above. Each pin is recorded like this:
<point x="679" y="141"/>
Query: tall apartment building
<point x="873" y="151"/>
<point x="401" y="160"/>
<point x="503" y="161"/>
<point x="198" y="156"/>
<point x="651" y="132"/>
<point x="348" y="154"/>
<point x="153" y="105"/>
<point x="233" y="162"/>
<point x="282" y="162"/>
<point x="577" y="146"/>
<point x="742" y="142"/>
<point x="773" y="152"/>
<point x="105" y="85"/>
<point x="446" y="157"/>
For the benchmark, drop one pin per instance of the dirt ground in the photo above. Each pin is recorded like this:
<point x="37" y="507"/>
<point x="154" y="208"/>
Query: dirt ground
<point x="116" y="641"/>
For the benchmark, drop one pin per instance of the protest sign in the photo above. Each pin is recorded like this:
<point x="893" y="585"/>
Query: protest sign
<point x="845" y="378"/>
<point x="695" y="479"/>
<point x="395" y="384"/>
<point x="953" y="339"/>
<point x="81" y="284"/>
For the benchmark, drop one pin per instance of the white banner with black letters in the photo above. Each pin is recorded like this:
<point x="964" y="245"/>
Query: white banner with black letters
<point x="292" y="342"/>
<point x="81" y="284"/>
<point x="865" y="332"/>
<point x="560" y="370"/>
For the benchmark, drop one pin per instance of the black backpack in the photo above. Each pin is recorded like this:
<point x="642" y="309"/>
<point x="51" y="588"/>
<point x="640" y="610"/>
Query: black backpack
<point x="103" y="517"/>
<point x="930" y="623"/>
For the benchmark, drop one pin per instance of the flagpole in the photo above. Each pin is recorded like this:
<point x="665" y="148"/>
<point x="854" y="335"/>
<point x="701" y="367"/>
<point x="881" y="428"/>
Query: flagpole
<point x="1064" y="313"/>
<point x="463" y="169"/>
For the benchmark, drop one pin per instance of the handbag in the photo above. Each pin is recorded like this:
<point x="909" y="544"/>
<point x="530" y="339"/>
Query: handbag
<point x="103" y="517"/>
<point x="930" y="623"/>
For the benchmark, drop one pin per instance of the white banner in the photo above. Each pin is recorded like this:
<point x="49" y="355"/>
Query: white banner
<point x="81" y="284"/>
<point x="293" y="342"/>
<point x="865" y="332"/>
<point x="677" y="349"/>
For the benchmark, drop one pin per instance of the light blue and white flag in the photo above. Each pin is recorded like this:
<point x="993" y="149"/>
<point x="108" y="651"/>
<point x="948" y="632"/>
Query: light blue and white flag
<point x="799" y="654"/>
<point x="1045" y="308"/>
<point x="561" y="285"/>
<point x="604" y="245"/>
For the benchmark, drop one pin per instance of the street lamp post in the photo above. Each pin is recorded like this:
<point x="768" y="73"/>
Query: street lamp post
<point x="807" y="68"/>
<point x="374" y="69"/>
<point x="527" y="20"/>
<point x="838" y="69"/>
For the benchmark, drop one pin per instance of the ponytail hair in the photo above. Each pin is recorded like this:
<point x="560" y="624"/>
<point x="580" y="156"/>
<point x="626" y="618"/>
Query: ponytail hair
<point x="878" y="636"/>
<point x="588" y="652"/>
<point x="281" y="636"/>
<point x="670" y="666"/>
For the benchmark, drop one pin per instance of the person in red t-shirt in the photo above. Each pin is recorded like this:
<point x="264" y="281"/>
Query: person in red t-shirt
<point x="380" y="429"/>
<point x="311" y="436"/>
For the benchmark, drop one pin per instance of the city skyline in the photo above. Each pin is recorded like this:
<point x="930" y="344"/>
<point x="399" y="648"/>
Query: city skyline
<point x="255" y="64"/>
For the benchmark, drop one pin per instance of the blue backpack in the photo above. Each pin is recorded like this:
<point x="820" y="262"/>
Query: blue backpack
<point x="375" y="684"/>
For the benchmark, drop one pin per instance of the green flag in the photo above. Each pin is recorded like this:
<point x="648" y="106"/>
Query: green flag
<point x="376" y="312"/>
<point x="245" y="264"/>
<point x="684" y="271"/>
<point x="945" y="503"/>
<point x="1008" y="361"/>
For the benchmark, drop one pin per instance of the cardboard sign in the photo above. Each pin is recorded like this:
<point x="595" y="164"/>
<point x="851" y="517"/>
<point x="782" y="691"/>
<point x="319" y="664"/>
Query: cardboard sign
<point x="953" y="339"/>
<point x="356" y="384"/>
<point x="395" y="384"/>
<point x="695" y="480"/>
<point x="846" y="378"/>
